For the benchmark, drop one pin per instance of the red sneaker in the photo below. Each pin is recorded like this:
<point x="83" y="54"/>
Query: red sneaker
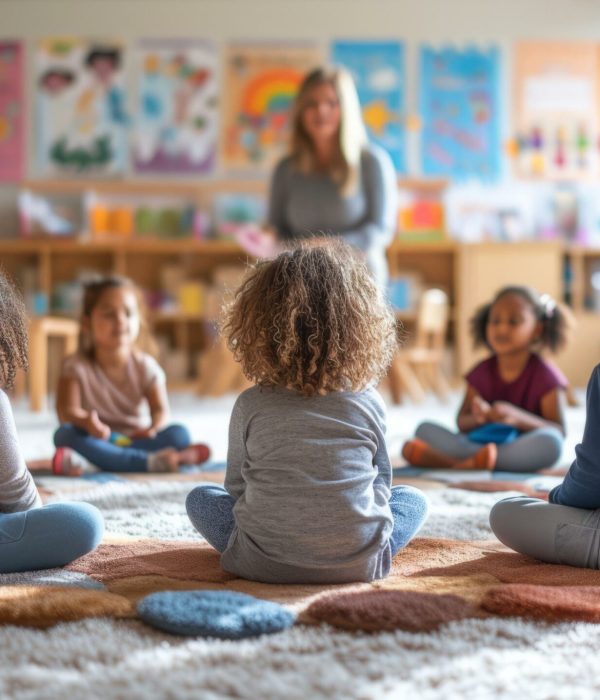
<point x="67" y="462"/>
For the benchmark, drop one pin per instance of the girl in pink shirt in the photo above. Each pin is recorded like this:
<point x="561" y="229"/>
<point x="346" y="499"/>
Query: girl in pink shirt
<point x="112" y="399"/>
<point x="511" y="417"/>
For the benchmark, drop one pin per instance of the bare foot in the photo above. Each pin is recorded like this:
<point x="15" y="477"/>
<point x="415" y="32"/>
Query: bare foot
<point x="166" y="460"/>
<point x="194" y="454"/>
<point x="485" y="458"/>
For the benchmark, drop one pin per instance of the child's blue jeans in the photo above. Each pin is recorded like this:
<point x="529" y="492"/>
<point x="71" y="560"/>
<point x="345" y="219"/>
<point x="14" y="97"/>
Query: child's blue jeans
<point x="210" y="508"/>
<point x="114" y="458"/>
<point x="44" y="538"/>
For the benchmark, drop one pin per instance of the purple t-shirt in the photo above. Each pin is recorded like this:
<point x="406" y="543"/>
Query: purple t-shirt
<point x="526" y="391"/>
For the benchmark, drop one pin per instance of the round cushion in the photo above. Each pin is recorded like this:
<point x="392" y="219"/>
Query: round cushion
<point x="386" y="611"/>
<point x="550" y="603"/>
<point x="222" y="614"/>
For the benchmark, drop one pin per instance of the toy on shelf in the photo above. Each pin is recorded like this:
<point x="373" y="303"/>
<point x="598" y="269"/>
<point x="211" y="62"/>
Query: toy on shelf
<point x="121" y="216"/>
<point x="404" y="291"/>
<point x="234" y="211"/>
<point x="421" y="211"/>
<point x="57" y="215"/>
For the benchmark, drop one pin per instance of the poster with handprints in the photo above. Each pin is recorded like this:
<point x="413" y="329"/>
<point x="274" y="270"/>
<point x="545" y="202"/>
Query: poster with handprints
<point x="556" y="109"/>
<point x="378" y="71"/>
<point x="460" y="136"/>
<point x="81" y="116"/>
<point x="176" y="110"/>
<point x="261" y="81"/>
<point x="11" y="112"/>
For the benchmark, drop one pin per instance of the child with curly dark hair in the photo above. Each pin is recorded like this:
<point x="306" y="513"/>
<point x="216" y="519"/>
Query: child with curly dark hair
<point x="307" y="494"/>
<point x="31" y="536"/>
<point x="511" y="417"/>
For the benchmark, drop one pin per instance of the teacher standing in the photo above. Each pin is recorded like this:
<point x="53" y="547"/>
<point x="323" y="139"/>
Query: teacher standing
<point x="334" y="182"/>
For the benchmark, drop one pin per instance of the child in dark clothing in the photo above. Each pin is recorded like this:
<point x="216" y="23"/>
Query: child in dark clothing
<point x="513" y="403"/>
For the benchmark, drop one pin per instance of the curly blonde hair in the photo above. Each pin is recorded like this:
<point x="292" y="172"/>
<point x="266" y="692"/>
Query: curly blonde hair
<point x="311" y="320"/>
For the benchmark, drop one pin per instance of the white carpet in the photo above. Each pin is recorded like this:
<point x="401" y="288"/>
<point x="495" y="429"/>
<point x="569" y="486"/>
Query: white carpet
<point x="116" y="660"/>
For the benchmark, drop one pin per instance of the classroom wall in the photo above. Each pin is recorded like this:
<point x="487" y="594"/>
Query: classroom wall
<point x="438" y="21"/>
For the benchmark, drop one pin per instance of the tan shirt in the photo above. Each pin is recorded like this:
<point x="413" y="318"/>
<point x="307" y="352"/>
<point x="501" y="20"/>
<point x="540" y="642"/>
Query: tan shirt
<point x="123" y="407"/>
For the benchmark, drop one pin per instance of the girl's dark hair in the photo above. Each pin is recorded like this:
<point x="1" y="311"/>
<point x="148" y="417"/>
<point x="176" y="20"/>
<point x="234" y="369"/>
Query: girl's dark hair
<point x="554" y="318"/>
<point x="311" y="320"/>
<point x="93" y="290"/>
<point x="13" y="332"/>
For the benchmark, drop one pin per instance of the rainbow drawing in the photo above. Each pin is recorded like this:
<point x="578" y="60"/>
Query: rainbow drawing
<point x="271" y="92"/>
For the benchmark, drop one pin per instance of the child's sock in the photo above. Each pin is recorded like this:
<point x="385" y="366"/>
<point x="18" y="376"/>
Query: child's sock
<point x="485" y="458"/>
<point x="420" y="454"/>
<point x="67" y="462"/>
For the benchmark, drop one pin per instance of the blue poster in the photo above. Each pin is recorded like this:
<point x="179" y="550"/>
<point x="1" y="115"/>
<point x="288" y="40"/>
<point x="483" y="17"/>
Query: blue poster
<point x="378" y="71"/>
<point x="459" y="106"/>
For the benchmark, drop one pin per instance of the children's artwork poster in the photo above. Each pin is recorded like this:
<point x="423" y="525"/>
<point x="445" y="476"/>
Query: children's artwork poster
<point x="81" y="117"/>
<point x="176" y="115"/>
<point x="12" y="108"/>
<point x="460" y="136"/>
<point x="378" y="71"/>
<point x="261" y="81"/>
<point x="556" y="91"/>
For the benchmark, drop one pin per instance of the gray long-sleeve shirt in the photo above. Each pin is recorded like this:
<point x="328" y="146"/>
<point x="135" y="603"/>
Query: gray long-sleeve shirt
<point x="17" y="490"/>
<point x="311" y="478"/>
<point x="302" y="205"/>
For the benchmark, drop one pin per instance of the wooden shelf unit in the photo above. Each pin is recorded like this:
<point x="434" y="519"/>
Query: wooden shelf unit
<point x="470" y="273"/>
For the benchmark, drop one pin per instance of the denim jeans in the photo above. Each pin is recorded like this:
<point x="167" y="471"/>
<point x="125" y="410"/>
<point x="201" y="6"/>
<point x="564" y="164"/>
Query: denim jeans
<point x="114" y="458"/>
<point x="44" y="538"/>
<point x="210" y="508"/>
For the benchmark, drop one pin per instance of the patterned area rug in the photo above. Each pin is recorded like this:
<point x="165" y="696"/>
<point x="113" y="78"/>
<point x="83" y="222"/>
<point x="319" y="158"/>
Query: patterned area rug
<point x="441" y="612"/>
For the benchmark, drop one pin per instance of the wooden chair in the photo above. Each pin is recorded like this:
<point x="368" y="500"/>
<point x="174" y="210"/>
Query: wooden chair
<point x="40" y="331"/>
<point x="418" y="367"/>
<point x="218" y="372"/>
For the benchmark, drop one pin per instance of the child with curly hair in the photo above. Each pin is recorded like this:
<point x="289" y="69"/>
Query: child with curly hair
<point x="307" y="494"/>
<point x="109" y="386"/>
<point x="31" y="537"/>
<point x="511" y="417"/>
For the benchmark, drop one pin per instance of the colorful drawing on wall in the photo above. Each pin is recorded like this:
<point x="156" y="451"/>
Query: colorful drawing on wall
<point x="261" y="81"/>
<point x="556" y="109"/>
<point x="11" y="111"/>
<point x="176" y="116"/>
<point x="80" y="107"/>
<point x="378" y="71"/>
<point x="460" y="135"/>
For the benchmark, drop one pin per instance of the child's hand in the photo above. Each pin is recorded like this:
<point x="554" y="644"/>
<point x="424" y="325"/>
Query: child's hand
<point x="141" y="433"/>
<point x="95" y="427"/>
<point x="503" y="412"/>
<point x="480" y="410"/>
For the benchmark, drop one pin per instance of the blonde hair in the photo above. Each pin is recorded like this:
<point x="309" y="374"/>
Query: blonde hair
<point x="352" y="136"/>
<point x="312" y="320"/>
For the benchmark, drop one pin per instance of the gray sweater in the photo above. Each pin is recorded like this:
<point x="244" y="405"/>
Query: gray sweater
<point x="17" y="490"/>
<point x="302" y="205"/>
<point x="311" y="479"/>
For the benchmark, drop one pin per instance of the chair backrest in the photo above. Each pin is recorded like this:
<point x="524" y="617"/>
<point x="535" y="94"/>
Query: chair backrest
<point x="432" y="320"/>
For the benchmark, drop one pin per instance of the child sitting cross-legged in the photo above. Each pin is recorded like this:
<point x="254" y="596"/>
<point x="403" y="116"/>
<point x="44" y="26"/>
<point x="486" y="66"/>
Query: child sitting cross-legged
<point x="308" y="494"/>
<point x="31" y="536"/>
<point x="108" y="387"/>
<point x="511" y="417"/>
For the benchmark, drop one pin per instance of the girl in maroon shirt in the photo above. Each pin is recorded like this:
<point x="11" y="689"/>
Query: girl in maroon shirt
<point x="511" y="417"/>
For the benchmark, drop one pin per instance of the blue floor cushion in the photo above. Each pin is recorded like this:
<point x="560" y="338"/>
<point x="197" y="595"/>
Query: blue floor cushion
<point x="222" y="614"/>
